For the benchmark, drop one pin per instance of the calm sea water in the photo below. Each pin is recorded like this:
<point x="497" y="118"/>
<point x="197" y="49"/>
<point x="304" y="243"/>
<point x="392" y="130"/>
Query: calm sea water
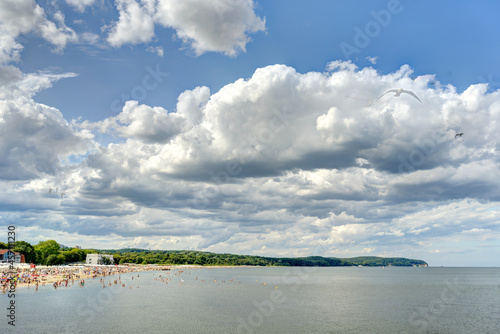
<point x="269" y="300"/>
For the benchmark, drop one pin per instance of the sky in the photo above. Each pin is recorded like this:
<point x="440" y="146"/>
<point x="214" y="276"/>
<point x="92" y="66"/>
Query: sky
<point x="254" y="127"/>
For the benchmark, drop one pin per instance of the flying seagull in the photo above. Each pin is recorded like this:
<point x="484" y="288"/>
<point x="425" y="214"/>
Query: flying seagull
<point x="399" y="91"/>
<point x="62" y="194"/>
<point x="50" y="190"/>
<point x="459" y="134"/>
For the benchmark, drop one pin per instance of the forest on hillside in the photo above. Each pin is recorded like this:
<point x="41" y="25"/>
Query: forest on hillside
<point x="49" y="252"/>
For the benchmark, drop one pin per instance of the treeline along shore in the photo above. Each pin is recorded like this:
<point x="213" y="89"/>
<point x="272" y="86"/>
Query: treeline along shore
<point x="51" y="253"/>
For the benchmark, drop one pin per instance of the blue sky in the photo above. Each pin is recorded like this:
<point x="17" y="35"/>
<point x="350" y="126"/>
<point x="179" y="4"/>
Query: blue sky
<point x="299" y="34"/>
<point x="253" y="127"/>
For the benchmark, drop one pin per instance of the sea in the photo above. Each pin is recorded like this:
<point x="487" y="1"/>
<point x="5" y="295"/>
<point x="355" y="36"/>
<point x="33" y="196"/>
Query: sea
<point x="341" y="300"/>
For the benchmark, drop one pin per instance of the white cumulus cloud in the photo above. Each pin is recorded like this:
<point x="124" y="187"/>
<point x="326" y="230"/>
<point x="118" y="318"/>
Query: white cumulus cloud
<point x="19" y="17"/>
<point x="80" y="5"/>
<point x="204" y="26"/>
<point x="135" y="25"/>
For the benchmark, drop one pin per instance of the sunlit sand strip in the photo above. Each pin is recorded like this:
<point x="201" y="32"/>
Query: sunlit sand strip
<point x="48" y="275"/>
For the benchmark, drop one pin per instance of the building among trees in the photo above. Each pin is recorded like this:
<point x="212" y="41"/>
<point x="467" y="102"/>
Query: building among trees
<point x="6" y="254"/>
<point x="95" y="259"/>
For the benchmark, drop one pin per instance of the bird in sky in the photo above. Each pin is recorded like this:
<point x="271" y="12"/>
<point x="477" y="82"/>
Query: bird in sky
<point x="399" y="91"/>
<point x="459" y="134"/>
<point x="62" y="194"/>
<point x="50" y="190"/>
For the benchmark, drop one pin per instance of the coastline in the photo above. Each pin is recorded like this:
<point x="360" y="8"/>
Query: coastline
<point x="43" y="276"/>
<point x="70" y="275"/>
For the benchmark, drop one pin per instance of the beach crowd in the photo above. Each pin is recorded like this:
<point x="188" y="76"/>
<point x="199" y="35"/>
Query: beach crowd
<point x="61" y="275"/>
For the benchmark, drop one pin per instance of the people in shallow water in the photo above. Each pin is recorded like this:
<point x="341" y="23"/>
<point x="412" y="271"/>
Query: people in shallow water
<point x="64" y="275"/>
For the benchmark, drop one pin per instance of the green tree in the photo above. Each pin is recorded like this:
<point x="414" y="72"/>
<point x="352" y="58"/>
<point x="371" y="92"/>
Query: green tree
<point x="106" y="260"/>
<point x="46" y="248"/>
<point x="26" y="249"/>
<point x="73" y="255"/>
<point x="38" y="256"/>
<point x="78" y="255"/>
<point x="53" y="260"/>
<point x="117" y="258"/>
<point x="61" y="259"/>
<point x="3" y="245"/>
<point x="200" y="260"/>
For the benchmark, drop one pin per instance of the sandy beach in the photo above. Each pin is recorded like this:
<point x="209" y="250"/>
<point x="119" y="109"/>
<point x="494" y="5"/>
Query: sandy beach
<point x="73" y="275"/>
<point x="42" y="276"/>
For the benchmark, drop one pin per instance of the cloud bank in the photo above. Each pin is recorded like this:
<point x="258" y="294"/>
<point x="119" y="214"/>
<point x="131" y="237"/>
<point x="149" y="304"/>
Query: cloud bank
<point x="276" y="164"/>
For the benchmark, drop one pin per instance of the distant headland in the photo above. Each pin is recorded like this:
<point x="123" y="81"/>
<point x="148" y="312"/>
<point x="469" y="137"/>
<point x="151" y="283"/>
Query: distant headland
<point x="178" y="257"/>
